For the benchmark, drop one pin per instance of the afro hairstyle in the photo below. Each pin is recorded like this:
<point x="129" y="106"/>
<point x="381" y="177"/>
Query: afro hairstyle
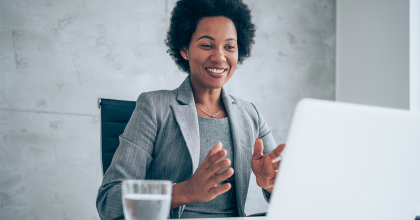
<point x="186" y="15"/>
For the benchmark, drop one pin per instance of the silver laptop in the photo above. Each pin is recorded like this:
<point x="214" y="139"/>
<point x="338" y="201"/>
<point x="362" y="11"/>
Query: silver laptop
<point x="349" y="162"/>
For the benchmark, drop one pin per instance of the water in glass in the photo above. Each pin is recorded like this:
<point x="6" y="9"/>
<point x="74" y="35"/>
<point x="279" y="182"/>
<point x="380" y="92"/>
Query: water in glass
<point x="146" y="199"/>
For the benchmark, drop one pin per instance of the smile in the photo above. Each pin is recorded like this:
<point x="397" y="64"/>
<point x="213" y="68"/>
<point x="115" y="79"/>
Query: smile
<point x="216" y="70"/>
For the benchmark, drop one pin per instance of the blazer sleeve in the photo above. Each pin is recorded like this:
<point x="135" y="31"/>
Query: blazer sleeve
<point x="131" y="159"/>
<point x="264" y="133"/>
<point x="268" y="141"/>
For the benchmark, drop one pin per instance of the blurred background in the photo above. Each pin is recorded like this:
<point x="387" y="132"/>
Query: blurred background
<point x="57" y="57"/>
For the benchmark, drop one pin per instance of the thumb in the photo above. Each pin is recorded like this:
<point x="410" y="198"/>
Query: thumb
<point x="258" y="149"/>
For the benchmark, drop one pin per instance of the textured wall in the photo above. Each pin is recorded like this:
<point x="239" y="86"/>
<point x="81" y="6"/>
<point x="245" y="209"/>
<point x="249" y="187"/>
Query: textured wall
<point x="367" y="73"/>
<point x="58" y="57"/>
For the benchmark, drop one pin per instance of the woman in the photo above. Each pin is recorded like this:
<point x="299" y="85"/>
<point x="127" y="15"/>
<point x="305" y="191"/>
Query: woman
<point x="178" y="135"/>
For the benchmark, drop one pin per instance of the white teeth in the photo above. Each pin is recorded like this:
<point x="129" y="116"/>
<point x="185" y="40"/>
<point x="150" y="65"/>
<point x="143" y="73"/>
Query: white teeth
<point x="215" y="70"/>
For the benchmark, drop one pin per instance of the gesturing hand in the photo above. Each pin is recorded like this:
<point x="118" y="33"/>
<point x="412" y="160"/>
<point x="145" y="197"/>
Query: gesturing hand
<point x="264" y="167"/>
<point x="202" y="186"/>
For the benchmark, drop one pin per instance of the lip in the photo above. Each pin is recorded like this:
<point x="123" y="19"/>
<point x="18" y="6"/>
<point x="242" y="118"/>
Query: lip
<point x="216" y="75"/>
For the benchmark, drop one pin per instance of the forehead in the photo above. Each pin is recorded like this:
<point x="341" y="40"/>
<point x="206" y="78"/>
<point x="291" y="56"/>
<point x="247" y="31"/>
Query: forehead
<point x="216" y="27"/>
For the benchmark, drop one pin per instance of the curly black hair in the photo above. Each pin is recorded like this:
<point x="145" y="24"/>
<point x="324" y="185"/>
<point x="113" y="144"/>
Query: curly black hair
<point x="186" y="15"/>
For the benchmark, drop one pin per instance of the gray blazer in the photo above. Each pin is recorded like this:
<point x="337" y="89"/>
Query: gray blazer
<point x="161" y="141"/>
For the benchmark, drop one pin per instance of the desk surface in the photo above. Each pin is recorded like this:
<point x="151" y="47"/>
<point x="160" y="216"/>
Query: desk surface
<point x="232" y="218"/>
<point x="250" y="218"/>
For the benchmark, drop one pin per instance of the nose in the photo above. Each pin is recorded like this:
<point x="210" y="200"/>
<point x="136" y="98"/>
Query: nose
<point x="218" y="55"/>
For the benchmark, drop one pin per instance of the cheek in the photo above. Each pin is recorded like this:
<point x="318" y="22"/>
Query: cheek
<point x="233" y="60"/>
<point x="196" y="64"/>
<point x="198" y="61"/>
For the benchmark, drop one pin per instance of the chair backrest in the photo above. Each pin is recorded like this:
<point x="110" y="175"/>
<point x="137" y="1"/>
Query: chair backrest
<point x="114" y="117"/>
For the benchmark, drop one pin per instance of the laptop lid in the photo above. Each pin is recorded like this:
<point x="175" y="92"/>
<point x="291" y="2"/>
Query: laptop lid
<point x="347" y="161"/>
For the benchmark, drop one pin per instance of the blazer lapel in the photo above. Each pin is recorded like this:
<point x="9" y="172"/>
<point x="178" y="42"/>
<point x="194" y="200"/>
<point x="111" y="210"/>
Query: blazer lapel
<point x="240" y="129"/>
<point x="187" y="119"/>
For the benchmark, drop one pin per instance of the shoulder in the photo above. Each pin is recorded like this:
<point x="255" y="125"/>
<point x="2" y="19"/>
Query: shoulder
<point x="158" y="98"/>
<point x="157" y="104"/>
<point x="249" y="108"/>
<point x="258" y="124"/>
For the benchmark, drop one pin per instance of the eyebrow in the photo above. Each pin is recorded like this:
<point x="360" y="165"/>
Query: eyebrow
<point x="205" y="36"/>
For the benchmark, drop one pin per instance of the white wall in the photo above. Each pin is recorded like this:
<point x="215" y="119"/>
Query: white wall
<point x="58" y="57"/>
<point x="415" y="56"/>
<point x="378" y="53"/>
<point x="373" y="52"/>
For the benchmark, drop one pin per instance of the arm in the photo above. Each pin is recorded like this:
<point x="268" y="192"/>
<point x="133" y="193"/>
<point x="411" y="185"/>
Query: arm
<point x="131" y="160"/>
<point x="263" y="160"/>
<point x="265" y="133"/>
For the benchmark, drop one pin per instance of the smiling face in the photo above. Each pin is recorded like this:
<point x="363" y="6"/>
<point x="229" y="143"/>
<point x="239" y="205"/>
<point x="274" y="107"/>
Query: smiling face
<point x="212" y="53"/>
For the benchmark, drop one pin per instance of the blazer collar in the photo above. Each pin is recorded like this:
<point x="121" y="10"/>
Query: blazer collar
<point x="242" y="147"/>
<point x="187" y="119"/>
<point x="185" y="93"/>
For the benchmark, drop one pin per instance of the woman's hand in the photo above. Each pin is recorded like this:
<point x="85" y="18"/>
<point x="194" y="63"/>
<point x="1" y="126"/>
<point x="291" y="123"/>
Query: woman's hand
<point x="264" y="167"/>
<point x="202" y="186"/>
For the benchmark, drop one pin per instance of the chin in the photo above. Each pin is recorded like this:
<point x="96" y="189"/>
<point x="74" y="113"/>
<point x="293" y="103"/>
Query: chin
<point x="217" y="85"/>
<point x="217" y="82"/>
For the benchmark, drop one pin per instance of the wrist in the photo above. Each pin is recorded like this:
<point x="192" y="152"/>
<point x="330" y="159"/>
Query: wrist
<point x="183" y="192"/>
<point x="179" y="195"/>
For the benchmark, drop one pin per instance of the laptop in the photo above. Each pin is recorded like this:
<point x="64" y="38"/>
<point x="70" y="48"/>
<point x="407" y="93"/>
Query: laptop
<point x="346" y="162"/>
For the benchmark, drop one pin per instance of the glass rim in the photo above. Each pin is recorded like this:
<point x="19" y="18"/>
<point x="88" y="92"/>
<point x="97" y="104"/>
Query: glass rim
<point x="138" y="181"/>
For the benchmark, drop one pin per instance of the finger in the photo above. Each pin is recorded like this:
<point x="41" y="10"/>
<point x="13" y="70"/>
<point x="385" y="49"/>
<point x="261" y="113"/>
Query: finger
<point x="272" y="181"/>
<point x="258" y="149"/>
<point x="216" y="157"/>
<point x="216" y="168"/>
<point x="222" y="176"/>
<point x="213" y="159"/>
<point x="220" y="189"/>
<point x="276" y="165"/>
<point x="213" y="151"/>
<point x="277" y="151"/>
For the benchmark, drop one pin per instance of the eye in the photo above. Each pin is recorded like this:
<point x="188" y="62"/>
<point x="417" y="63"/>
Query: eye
<point x="205" y="46"/>
<point x="230" y="47"/>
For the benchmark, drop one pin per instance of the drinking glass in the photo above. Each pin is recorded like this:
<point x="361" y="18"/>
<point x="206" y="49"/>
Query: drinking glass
<point x="146" y="199"/>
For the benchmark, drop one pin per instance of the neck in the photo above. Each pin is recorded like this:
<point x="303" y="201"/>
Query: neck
<point x="207" y="97"/>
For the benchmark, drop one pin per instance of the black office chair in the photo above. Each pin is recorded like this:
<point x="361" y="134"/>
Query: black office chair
<point x="114" y="116"/>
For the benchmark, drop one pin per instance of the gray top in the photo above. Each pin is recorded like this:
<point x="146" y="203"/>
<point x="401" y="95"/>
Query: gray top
<point x="224" y="205"/>
<point x="213" y="131"/>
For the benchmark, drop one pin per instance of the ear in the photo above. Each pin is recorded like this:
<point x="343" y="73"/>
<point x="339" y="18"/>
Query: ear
<point x="184" y="53"/>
